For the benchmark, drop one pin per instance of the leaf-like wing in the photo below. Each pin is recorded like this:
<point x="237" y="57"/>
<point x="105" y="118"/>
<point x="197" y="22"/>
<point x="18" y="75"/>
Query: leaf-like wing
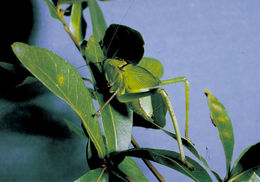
<point x="152" y="65"/>
<point x="138" y="79"/>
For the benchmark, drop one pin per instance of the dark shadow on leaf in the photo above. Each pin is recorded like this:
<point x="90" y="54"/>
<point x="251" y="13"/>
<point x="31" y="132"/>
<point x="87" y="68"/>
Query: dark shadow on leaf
<point x="123" y="42"/>
<point x="15" y="28"/>
<point x="33" y="120"/>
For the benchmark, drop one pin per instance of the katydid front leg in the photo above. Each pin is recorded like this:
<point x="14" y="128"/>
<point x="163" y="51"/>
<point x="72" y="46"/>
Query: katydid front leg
<point x="107" y="102"/>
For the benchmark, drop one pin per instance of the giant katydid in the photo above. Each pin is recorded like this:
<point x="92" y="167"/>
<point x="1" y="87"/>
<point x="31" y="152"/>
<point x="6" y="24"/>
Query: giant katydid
<point x="137" y="85"/>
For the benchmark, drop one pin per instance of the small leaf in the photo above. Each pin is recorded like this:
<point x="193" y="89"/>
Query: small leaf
<point x="168" y="158"/>
<point x="53" y="10"/>
<point x="98" y="21"/>
<point x="249" y="158"/>
<point x="77" y="130"/>
<point x="131" y="169"/>
<point x="7" y="66"/>
<point x="152" y="65"/>
<point x="153" y="110"/>
<point x="63" y="80"/>
<point x="28" y="80"/>
<point x="77" y="22"/>
<point x="94" y="52"/>
<point x="220" y="117"/>
<point x="96" y="175"/>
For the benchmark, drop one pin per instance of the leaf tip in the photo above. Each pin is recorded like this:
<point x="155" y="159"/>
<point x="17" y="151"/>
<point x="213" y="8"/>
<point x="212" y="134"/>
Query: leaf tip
<point x="17" y="47"/>
<point x="206" y="91"/>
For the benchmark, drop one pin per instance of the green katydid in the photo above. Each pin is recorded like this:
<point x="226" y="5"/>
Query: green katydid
<point x="134" y="85"/>
<point x="137" y="85"/>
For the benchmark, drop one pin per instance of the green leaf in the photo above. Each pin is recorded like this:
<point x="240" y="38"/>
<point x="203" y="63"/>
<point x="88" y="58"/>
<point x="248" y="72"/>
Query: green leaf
<point x="222" y="121"/>
<point x="28" y="80"/>
<point x="249" y="158"/>
<point x="98" y="21"/>
<point x="53" y="10"/>
<point x="168" y="158"/>
<point x="152" y="65"/>
<point x="94" y="52"/>
<point x="131" y="169"/>
<point x="247" y="176"/>
<point x="96" y="175"/>
<point x="254" y="178"/>
<point x="7" y="66"/>
<point x="63" y="80"/>
<point x="77" y="22"/>
<point x="77" y="130"/>
<point x="61" y="2"/>
<point x="117" y="126"/>
<point x="188" y="145"/>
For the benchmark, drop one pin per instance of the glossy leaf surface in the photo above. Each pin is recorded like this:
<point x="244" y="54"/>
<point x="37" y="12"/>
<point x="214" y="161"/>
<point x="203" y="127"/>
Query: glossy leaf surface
<point x="248" y="159"/>
<point x="117" y="125"/>
<point x="63" y="80"/>
<point x="77" y="22"/>
<point x="222" y="121"/>
<point x="168" y="158"/>
<point x="247" y="176"/>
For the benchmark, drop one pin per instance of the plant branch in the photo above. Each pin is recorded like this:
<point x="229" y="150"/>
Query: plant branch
<point x="149" y="164"/>
<point x="133" y="141"/>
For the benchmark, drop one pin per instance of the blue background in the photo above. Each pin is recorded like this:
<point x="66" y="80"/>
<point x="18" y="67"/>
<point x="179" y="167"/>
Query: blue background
<point x="215" y="44"/>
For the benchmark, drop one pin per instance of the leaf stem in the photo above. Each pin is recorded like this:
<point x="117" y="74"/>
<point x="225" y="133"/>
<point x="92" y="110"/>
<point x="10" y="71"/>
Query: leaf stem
<point x="149" y="164"/>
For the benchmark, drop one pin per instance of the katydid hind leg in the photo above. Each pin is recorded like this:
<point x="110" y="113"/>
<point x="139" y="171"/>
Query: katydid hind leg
<point x="176" y="127"/>
<point x="187" y="104"/>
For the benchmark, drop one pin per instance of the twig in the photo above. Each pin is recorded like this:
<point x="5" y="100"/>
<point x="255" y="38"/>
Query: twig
<point x="149" y="164"/>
